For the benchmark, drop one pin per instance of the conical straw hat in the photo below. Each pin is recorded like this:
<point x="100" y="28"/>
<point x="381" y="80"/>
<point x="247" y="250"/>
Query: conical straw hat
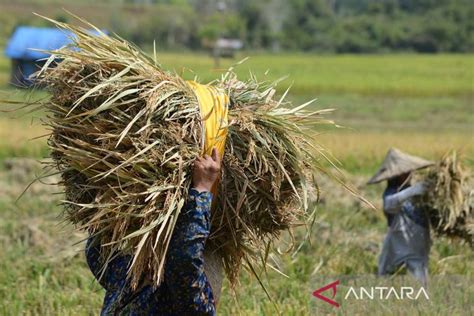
<point x="397" y="163"/>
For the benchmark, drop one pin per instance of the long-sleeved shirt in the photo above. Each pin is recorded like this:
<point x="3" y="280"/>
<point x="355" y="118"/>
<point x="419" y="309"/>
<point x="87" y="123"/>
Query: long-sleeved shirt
<point x="408" y="237"/>
<point x="393" y="206"/>
<point x="185" y="289"/>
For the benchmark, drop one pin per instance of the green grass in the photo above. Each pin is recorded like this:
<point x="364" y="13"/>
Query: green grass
<point x="362" y="113"/>
<point x="390" y="75"/>
<point x="404" y="75"/>
<point x="41" y="275"/>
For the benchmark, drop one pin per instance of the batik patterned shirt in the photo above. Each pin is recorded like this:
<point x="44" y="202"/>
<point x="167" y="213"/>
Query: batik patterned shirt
<point x="185" y="289"/>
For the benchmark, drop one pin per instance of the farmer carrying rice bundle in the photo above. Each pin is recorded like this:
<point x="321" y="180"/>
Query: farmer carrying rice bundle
<point x="193" y="272"/>
<point x="408" y="238"/>
<point x="442" y="200"/>
<point x="125" y="137"/>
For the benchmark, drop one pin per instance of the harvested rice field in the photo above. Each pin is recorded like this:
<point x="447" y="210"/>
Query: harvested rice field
<point x="420" y="104"/>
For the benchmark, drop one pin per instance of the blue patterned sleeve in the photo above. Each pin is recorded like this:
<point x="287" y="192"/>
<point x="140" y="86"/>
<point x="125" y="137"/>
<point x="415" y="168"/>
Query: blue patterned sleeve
<point x="184" y="269"/>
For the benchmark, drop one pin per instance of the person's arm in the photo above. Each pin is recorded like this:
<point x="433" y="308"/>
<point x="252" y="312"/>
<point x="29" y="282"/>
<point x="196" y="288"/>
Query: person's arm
<point x="392" y="204"/>
<point x="184" y="268"/>
<point x="114" y="276"/>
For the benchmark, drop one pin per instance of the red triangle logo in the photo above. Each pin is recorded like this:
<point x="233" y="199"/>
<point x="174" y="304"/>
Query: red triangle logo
<point x="332" y="286"/>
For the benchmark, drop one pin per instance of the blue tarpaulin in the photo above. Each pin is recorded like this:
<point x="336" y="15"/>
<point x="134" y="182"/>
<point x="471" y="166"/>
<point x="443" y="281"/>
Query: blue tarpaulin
<point x="23" y="48"/>
<point x="27" y="38"/>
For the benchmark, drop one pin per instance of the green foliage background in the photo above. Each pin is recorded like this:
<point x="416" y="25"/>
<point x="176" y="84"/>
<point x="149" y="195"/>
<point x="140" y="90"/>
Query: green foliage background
<point x="341" y="26"/>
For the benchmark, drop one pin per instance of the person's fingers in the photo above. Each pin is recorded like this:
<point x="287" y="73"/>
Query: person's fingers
<point x="215" y="155"/>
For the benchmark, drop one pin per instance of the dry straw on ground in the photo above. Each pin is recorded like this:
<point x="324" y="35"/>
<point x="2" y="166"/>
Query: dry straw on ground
<point x="125" y="132"/>
<point x="450" y="198"/>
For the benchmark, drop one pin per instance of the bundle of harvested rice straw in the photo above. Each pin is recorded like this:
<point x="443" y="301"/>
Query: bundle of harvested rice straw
<point x="450" y="198"/>
<point x="125" y="133"/>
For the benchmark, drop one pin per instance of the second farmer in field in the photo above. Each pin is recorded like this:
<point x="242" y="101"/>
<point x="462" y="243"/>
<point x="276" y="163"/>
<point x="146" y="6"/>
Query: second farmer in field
<point x="408" y="238"/>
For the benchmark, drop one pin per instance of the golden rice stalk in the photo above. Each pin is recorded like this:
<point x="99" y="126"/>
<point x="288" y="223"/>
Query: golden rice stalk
<point x="450" y="198"/>
<point x="124" y="135"/>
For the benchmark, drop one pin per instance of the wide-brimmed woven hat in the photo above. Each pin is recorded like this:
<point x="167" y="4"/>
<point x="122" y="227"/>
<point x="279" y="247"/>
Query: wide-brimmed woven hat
<point x="397" y="163"/>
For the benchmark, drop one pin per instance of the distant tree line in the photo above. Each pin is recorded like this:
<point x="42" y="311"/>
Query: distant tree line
<point x="341" y="26"/>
